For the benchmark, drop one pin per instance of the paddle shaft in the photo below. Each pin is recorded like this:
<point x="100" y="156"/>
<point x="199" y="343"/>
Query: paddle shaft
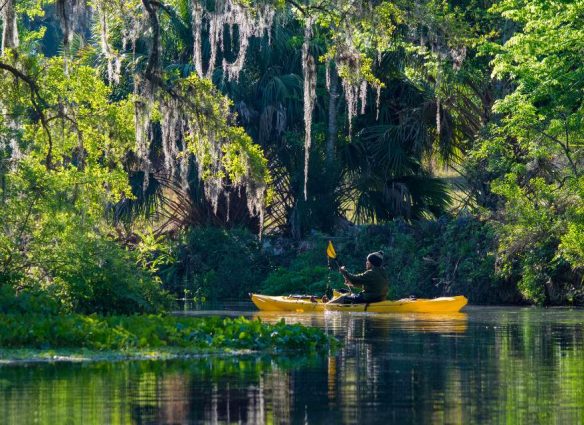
<point x="333" y="256"/>
<point x="345" y="279"/>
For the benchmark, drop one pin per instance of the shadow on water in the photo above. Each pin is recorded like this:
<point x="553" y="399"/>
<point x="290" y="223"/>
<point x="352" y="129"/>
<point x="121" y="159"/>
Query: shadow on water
<point x="487" y="365"/>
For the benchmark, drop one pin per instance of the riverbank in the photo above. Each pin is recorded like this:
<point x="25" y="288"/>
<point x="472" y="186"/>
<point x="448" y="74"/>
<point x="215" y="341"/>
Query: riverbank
<point x="453" y="255"/>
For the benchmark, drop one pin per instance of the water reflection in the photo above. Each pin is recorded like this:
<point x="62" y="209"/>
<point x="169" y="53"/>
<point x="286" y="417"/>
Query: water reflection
<point x="336" y="322"/>
<point x="484" y="366"/>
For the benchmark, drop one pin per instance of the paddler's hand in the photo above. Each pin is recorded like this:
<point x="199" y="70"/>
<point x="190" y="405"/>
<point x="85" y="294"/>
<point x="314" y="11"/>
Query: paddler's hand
<point x="342" y="269"/>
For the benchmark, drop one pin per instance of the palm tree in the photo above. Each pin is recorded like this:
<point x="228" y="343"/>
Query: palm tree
<point x="378" y="175"/>
<point x="384" y="172"/>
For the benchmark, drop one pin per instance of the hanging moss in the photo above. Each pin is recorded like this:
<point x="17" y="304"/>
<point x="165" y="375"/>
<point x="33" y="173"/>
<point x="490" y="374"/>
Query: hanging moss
<point x="232" y="15"/>
<point x="10" y="29"/>
<point x="114" y="62"/>
<point x="309" y="73"/>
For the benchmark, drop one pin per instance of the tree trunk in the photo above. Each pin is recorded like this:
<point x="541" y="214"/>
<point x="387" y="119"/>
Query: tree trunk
<point x="153" y="65"/>
<point x="331" y="142"/>
<point x="10" y="31"/>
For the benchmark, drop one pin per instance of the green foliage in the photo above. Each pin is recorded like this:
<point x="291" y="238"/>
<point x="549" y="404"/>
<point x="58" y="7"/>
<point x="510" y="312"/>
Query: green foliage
<point x="67" y="149"/>
<point x="426" y="259"/>
<point x="54" y="236"/>
<point x="153" y="251"/>
<point x="301" y="277"/>
<point x="383" y="168"/>
<point x="543" y="58"/>
<point x="241" y="160"/>
<point x="532" y="155"/>
<point x="148" y="332"/>
<point x="215" y="263"/>
<point x="387" y="174"/>
<point x="572" y="242"/>
<point x="49" y="247"/>
<point x="27" y="301"/>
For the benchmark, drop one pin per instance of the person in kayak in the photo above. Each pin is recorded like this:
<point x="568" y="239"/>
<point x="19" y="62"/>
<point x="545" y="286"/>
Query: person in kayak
<point x="373" y="281"/>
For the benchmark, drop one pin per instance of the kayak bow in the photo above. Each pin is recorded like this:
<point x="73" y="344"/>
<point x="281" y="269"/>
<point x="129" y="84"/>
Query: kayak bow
<point x="299" y="303"/>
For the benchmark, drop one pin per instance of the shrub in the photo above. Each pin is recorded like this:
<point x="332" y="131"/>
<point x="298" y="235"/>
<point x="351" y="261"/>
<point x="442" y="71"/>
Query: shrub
<point x="102" y="277"/>
<point x="27" y="301"/>
<point x="313" y="280"/>
<point x="215" y="263"/>
<point x="426" y="259"/>
<point x="54" y="239"/>
<point x="84" y="273"/>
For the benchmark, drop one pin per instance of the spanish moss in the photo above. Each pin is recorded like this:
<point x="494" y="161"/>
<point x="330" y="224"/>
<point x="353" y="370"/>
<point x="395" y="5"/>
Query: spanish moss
<point x="309" y="73"/>
<point x="10" y="30"/>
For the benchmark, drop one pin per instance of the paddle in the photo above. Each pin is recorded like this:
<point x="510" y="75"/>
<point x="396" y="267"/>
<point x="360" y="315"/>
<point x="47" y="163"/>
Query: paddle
<point x="331" y="254"/>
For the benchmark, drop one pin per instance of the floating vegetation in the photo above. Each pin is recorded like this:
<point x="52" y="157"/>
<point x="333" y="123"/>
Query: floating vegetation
<point x="190" y="334"/>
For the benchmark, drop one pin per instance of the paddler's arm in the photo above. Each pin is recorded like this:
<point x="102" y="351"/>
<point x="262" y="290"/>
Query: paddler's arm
<point x="361" y="279"/>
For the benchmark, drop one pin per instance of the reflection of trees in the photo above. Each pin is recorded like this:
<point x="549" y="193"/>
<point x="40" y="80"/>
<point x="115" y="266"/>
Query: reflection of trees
<point x="377" y="364"/>
<point x="384" y="359"/>
<point x="513" y="366"/>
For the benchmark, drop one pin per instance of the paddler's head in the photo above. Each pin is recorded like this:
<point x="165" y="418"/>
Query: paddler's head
<point x="375" y="259"/>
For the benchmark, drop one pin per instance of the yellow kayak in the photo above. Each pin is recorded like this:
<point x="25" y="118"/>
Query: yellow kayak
<point x="303" y="303"/>
<point x="298" y="303"/>
<point x="407" y="305"/>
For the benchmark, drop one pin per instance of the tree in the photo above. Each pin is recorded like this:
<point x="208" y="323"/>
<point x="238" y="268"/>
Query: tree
<point x="537" y="147"/>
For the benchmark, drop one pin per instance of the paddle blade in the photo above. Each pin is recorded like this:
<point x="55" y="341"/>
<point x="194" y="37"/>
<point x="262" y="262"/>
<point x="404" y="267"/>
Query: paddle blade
<point x="330" y="251"/>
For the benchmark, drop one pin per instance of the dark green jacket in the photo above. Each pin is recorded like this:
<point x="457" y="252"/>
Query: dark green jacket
<point x="373" y="281"/>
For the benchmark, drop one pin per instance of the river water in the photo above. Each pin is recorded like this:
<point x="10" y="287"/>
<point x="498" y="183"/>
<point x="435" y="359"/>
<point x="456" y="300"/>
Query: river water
<point x="486" y="365"/>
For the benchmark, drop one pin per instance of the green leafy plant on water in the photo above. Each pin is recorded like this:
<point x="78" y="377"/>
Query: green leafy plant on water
<point x="158" y="332"/>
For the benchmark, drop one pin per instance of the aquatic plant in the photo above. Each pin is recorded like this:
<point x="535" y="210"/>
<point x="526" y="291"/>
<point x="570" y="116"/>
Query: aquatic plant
<point x="157" y="332"/>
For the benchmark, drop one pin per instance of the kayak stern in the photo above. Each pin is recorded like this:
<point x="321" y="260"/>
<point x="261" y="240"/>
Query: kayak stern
<point x="406" y="305"/>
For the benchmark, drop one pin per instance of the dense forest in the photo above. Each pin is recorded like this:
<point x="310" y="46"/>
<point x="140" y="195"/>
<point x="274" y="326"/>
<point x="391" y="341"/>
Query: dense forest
<point x="153" y="150"/>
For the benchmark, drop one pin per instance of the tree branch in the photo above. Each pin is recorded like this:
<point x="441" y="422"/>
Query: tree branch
<point x="305" y="10"/>
<point x="4" y="5"/>
<point x="37" y="102"/>
<point x="565" y="147"/>
<point x="7" y="262"/>
<point x="152" y="68"/>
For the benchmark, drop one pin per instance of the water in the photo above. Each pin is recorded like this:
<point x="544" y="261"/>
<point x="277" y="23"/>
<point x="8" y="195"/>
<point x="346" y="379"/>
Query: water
<point x="488" y="365"/>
